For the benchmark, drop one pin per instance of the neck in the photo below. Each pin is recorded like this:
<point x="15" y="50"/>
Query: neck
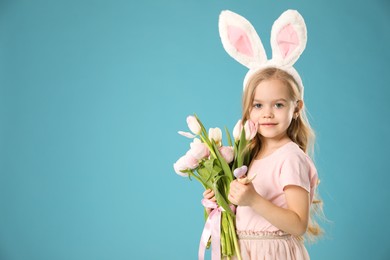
<point x="268" y="146"/>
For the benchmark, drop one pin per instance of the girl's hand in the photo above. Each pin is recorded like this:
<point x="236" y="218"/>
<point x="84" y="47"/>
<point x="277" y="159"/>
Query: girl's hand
<point x="209" y="195"/>
<point x="242" y="194"/>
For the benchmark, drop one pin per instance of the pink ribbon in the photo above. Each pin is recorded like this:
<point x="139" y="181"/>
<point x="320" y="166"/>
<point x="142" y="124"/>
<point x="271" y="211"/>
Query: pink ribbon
<point x="212" y="228"/>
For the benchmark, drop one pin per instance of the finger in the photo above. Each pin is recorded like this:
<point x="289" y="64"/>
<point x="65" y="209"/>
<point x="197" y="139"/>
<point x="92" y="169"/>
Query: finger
<point x="231" y="199"/>
<point x="238" y="185"/>
<point x="206" y="192"/>
<point x="209" y="196"/>
<point x="211" y="199"/>
<point x="243" y="180"/>
<point x="211" y="193"/>
<point x="235" y="186"/>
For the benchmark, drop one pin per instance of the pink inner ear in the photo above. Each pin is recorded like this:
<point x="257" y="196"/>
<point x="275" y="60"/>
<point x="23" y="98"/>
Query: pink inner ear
<point x="287" y="40"/>
<point x="240" y="40"/>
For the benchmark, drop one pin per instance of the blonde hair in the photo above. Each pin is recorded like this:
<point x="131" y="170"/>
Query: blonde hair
<point x="299" y="131"/>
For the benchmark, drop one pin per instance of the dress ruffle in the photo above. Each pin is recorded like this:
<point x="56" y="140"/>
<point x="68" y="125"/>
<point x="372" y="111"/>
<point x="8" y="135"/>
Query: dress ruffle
<point x="271" y="245"/>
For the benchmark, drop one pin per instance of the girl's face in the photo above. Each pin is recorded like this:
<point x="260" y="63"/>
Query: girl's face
<point x="272" y="109"/>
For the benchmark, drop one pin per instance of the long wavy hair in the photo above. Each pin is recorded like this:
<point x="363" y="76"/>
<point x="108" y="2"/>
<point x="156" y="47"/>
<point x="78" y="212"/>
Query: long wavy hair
<point x="299" y="131"/>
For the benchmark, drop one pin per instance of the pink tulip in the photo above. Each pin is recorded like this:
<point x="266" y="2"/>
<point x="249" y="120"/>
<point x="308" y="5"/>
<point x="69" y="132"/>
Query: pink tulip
<point x="186" y="162"/>
<point x="250" y="130"/>
<point x="179" y="166"/>
<point x="227" y="153"/>
<point x="193" y="125"/>
<point x="199" y="150"/>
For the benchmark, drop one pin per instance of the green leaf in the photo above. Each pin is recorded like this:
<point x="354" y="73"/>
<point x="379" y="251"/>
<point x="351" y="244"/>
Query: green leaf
<point x="241" y="149"/>
<point x="206" y="176"/>
<point x="221" y="200"/>
<point x="234" y="166"/>
<point x="225" y="166"/>
<point x="191" y="173"/>
<point x="212" y="166"/>
<point x="203" y="129"/>
<point x="247" y="158"/>
<point x="228" y="136"/>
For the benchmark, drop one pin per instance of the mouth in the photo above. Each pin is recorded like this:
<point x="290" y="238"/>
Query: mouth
<point x="268" y="124"/>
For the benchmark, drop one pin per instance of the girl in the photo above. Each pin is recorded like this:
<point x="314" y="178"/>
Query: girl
<point x="273" y="211"/>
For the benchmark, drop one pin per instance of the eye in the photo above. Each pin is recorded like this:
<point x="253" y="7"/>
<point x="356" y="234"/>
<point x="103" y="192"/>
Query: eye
<point x="257" y="105"/>
<point x="279" y="105"/>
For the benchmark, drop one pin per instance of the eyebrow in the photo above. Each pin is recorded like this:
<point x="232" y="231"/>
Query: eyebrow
<point x="276" y="100"/>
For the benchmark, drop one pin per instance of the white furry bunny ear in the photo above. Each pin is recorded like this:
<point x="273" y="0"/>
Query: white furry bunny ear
<point x="240" y="40"/>
<point x="288" y="38"/>
<point x="288" y="41"/>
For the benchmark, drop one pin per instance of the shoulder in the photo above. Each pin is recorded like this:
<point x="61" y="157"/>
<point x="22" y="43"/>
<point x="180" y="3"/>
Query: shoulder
<point x="297" y="168"/>
<point x="292" y="151"/>
<point x="293" y="156"/>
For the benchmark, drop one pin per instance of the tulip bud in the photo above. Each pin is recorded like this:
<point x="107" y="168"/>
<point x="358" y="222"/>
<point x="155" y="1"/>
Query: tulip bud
<point x="216" y="135"/>
<point x="185" y="162"/>
<point x="199" y="150"/>
<point x="237" y="130"/>
<point x="179" y="166"/>
<point x="250" y="130"/>
<point x="227" y="153"/>
<point x="193" y="125"/>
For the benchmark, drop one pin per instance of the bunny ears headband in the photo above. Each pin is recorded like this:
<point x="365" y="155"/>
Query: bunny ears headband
<point x="241" y="42"/>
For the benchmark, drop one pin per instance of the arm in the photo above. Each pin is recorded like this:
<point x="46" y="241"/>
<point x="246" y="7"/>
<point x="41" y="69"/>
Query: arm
<point x="293" y="220"/>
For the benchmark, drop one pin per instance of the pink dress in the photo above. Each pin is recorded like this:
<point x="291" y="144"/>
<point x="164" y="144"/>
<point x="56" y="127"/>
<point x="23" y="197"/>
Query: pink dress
<point x="259" y="239"/>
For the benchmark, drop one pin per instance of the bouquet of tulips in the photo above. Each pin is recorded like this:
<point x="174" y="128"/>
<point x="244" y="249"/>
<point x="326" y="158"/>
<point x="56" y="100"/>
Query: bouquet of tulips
<point x="215" y="166"/>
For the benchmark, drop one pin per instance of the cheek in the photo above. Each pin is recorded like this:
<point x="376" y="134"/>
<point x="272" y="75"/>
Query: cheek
<point x="289" y="117"/>
<point x="286" y="116"/>
<point x="289" y="113"/>
<point x="253" y="116"/>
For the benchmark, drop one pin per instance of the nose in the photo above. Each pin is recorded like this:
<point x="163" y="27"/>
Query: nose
<point x="267" y="113"/>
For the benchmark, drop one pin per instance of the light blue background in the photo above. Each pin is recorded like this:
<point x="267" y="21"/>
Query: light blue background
<point x="92" y="94"/>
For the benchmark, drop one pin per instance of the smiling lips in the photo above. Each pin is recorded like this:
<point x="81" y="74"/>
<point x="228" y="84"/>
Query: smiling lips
<point x="268" y="124"/>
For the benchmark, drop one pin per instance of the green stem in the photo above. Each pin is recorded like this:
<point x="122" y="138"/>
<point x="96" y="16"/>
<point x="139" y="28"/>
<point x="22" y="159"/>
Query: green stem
<point x="198" y="179"/>
<point x="234" y="235"/>
<point x="209" y="145"/>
